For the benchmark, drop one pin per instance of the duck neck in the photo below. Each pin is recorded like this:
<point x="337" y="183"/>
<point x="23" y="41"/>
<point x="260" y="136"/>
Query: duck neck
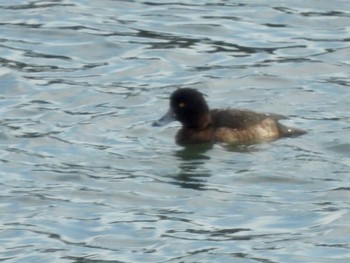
<point x="203" y="122"/>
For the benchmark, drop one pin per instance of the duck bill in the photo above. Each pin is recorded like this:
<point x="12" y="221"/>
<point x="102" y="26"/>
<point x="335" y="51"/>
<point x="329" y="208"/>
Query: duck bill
<point x="167" y="118"/>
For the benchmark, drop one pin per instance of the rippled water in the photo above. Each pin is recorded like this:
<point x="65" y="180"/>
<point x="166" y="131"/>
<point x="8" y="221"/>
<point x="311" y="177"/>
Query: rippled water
<point x="84" y="176"/>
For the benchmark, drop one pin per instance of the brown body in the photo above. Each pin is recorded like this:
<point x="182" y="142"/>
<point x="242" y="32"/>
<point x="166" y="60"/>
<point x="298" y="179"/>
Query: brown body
<point x="235" y="127"/>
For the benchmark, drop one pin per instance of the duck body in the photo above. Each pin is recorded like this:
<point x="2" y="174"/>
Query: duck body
<point x="232" y="126"/>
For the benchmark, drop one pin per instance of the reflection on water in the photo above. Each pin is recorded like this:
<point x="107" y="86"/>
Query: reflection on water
<point x="192" y="173"/>
<point x="192" y="163"/>
<point x="84" y="176"/>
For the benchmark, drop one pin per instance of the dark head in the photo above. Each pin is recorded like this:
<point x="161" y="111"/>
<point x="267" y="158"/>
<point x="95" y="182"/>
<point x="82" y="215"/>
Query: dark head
<point x="189" y="107"/>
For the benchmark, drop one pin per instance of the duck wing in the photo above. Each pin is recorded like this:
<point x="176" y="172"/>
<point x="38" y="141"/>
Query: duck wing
<point x="240" y="119"/>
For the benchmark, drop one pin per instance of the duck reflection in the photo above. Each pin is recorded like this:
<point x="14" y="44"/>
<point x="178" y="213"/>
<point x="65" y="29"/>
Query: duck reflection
<point x="192" y="171"/>
<point x="193" y="160"/>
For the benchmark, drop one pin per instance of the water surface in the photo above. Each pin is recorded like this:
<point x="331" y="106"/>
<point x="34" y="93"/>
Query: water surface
<point x="86" y="178"/>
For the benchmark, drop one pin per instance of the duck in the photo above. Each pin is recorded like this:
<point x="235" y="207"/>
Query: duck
<point x="232" y="126"/>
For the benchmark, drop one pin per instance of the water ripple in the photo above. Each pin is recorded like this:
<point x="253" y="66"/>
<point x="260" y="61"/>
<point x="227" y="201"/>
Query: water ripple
<point x="84" y="176"/>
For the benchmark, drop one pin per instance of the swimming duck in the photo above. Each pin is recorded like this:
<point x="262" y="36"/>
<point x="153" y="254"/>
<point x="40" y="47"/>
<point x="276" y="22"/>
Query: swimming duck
<point x="232" y="126"/>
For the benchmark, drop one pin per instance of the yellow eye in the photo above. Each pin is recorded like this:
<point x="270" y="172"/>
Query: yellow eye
<point x="182" y="104"/>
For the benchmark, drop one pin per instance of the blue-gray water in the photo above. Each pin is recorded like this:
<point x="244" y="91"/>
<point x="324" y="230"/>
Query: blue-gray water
<point x="85" y="177"/>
